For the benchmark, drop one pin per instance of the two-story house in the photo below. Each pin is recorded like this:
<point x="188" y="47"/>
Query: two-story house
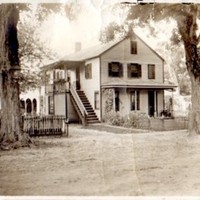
<point x="126" y="75"/>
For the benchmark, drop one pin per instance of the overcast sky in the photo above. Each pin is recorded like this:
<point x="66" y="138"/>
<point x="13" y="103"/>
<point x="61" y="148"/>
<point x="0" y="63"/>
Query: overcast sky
<point x="61" y="34"/>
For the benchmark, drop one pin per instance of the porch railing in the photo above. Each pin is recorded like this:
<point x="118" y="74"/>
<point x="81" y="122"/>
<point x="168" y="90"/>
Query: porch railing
<point x="45" y="125"/>
<point x="56" y="87"/>
<point x="79" y="105"/>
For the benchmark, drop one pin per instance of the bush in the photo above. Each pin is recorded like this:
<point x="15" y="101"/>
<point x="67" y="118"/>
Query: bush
<point x="114" y="118"/>
<point x="136" y="120"/>
<point x="132" y="120"/>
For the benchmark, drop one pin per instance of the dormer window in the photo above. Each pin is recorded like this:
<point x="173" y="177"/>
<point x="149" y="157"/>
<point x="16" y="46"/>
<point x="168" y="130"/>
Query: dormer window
<point x="115" y="69"/>
<point x="133" y="47"/>
<point x="134" y="70"/>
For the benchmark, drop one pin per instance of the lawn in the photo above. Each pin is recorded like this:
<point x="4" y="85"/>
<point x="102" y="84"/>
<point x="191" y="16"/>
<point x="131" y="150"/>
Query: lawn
<point x="96" y="161"/>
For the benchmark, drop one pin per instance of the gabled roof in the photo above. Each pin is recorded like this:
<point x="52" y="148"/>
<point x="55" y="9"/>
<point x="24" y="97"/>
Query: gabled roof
<point x="92" y="52"/>
<point x="98" y="50"/>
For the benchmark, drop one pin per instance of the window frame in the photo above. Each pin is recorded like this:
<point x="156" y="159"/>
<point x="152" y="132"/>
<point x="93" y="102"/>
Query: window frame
<point x="112" y="73"/>
<point x="151" y="74"/>
<point x="96" y="100"/>
<point x="134" y="100"/>
<point x="129" y="70"/>
<point x="51" y="105"/>
<point x="133" y="47"/>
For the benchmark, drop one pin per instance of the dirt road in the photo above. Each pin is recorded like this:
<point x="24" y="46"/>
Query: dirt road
<point x="100" y="163"/>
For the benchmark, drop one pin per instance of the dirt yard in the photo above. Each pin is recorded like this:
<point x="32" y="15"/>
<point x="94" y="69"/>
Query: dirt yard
<point x="96" y="162"/>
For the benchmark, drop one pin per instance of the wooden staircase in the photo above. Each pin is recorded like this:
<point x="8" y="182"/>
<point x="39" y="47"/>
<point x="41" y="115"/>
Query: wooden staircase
<point x="91" y="116"/>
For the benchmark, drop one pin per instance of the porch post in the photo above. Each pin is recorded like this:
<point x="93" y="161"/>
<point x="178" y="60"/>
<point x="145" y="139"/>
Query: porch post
<point x="25" y="112"/>
<point x="155" y="103"/>
<point x="135" y="100"/>
<point x="172" y="104"/>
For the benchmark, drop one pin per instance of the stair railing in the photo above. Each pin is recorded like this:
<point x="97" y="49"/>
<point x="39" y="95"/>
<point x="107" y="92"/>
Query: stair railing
<point x="79" y="103"/>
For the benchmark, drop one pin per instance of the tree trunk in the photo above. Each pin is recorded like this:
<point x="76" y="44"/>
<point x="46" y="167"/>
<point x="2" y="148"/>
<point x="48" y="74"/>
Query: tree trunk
<point x="11" y="121"/>
<point x="194" y="112"/>
<point x="187" y="29"/>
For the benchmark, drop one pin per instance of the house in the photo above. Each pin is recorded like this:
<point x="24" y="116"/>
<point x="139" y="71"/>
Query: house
<point x="123" y="76"/>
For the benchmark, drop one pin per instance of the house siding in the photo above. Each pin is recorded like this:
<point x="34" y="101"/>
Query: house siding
<point x="59" y="104"/>
<point x="90" y="86"/>
<point x="121" y="53"/>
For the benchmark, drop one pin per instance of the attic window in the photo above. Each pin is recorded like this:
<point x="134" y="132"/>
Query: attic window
<point x="115" y="69"/>
<point x="134" y="70"/>
<point x="133" y="47"/>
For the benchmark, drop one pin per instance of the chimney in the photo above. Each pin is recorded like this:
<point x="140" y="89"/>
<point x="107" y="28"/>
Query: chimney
<point x="77" y="46"/>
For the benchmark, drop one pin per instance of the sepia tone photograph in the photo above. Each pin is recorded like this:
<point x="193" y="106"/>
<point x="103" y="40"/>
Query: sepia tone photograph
<point x="99" y="98"/>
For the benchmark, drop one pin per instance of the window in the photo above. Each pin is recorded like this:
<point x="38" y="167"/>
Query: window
<point x="133" y="47"/>
<point x="59" y="75"/>
<point x="88" y="71"/>
<point x="134" y="70"/>
<point x="51" y="104"/>
<point x="151" y="71"/>
<point x="115" y="69"/>
<point x="96" y="100"/>
<point x="135" y="100"/>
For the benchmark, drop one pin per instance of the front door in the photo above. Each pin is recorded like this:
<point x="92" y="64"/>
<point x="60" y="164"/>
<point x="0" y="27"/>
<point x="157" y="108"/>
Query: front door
<point x="78" y="86"/>
<point x="151" y="102"/>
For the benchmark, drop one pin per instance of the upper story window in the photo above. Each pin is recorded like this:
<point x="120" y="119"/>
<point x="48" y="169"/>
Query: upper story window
<point x="88" y="71"/>
<point x="151" y="71"/>
<point x="59" y="75"/>
<point x="115" y="69"/>
<point x="134" y="70"/>
<point x="133" y="47"/>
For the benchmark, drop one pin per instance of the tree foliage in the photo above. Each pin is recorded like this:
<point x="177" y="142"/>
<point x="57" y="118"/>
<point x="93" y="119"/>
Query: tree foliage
<point x="32" y="50"/>
<point x="186" y="17"/>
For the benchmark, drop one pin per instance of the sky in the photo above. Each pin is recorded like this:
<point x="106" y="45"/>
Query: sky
<point x="62" y="34"/>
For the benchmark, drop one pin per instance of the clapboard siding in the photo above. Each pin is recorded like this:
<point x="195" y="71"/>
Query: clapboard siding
<point x="121" y="53"/>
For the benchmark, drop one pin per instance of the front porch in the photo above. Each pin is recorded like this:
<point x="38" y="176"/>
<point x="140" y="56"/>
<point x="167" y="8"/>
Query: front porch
<point x="145" y="99"/>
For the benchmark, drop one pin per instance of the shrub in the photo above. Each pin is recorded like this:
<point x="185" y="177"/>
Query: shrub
<point x="114" y="118"/>
<point x="132" y="120"/>
<point x="136" y="120"/>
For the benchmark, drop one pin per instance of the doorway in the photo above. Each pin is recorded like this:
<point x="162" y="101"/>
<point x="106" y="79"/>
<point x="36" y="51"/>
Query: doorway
<point x="151" y="103"/>
<point x="116" y="100"/>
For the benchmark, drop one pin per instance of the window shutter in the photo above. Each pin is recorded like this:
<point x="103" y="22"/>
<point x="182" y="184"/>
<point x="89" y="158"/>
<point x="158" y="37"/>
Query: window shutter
<point x="129" y="70"/>
<point x="109" y="69"/>
<point x="120" y="70"/>
<point x="139" y="71"/>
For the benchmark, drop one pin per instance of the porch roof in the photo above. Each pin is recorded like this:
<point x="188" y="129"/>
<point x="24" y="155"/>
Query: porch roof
<point x="139" y="85"/>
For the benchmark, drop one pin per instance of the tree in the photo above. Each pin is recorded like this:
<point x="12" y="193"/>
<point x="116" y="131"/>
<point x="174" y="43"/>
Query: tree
<point x="33" y="52"/>
<point x="185" y="16"/>
<point x="11" y="133"/>
<point x="11" y="125"/>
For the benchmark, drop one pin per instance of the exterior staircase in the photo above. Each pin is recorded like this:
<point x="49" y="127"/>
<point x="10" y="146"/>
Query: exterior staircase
<point x="91" y="116"/>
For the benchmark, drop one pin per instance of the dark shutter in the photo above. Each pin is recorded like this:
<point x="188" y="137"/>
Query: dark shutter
<point x="129" y="70"/>
<point x="139" y="71"/>
<point x="120" y="70"/>
<point x="109" y="69"/>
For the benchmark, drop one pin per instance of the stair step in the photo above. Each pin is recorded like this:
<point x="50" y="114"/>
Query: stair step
<point x="91" y="117"/>
<point x="93" y="122"/>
